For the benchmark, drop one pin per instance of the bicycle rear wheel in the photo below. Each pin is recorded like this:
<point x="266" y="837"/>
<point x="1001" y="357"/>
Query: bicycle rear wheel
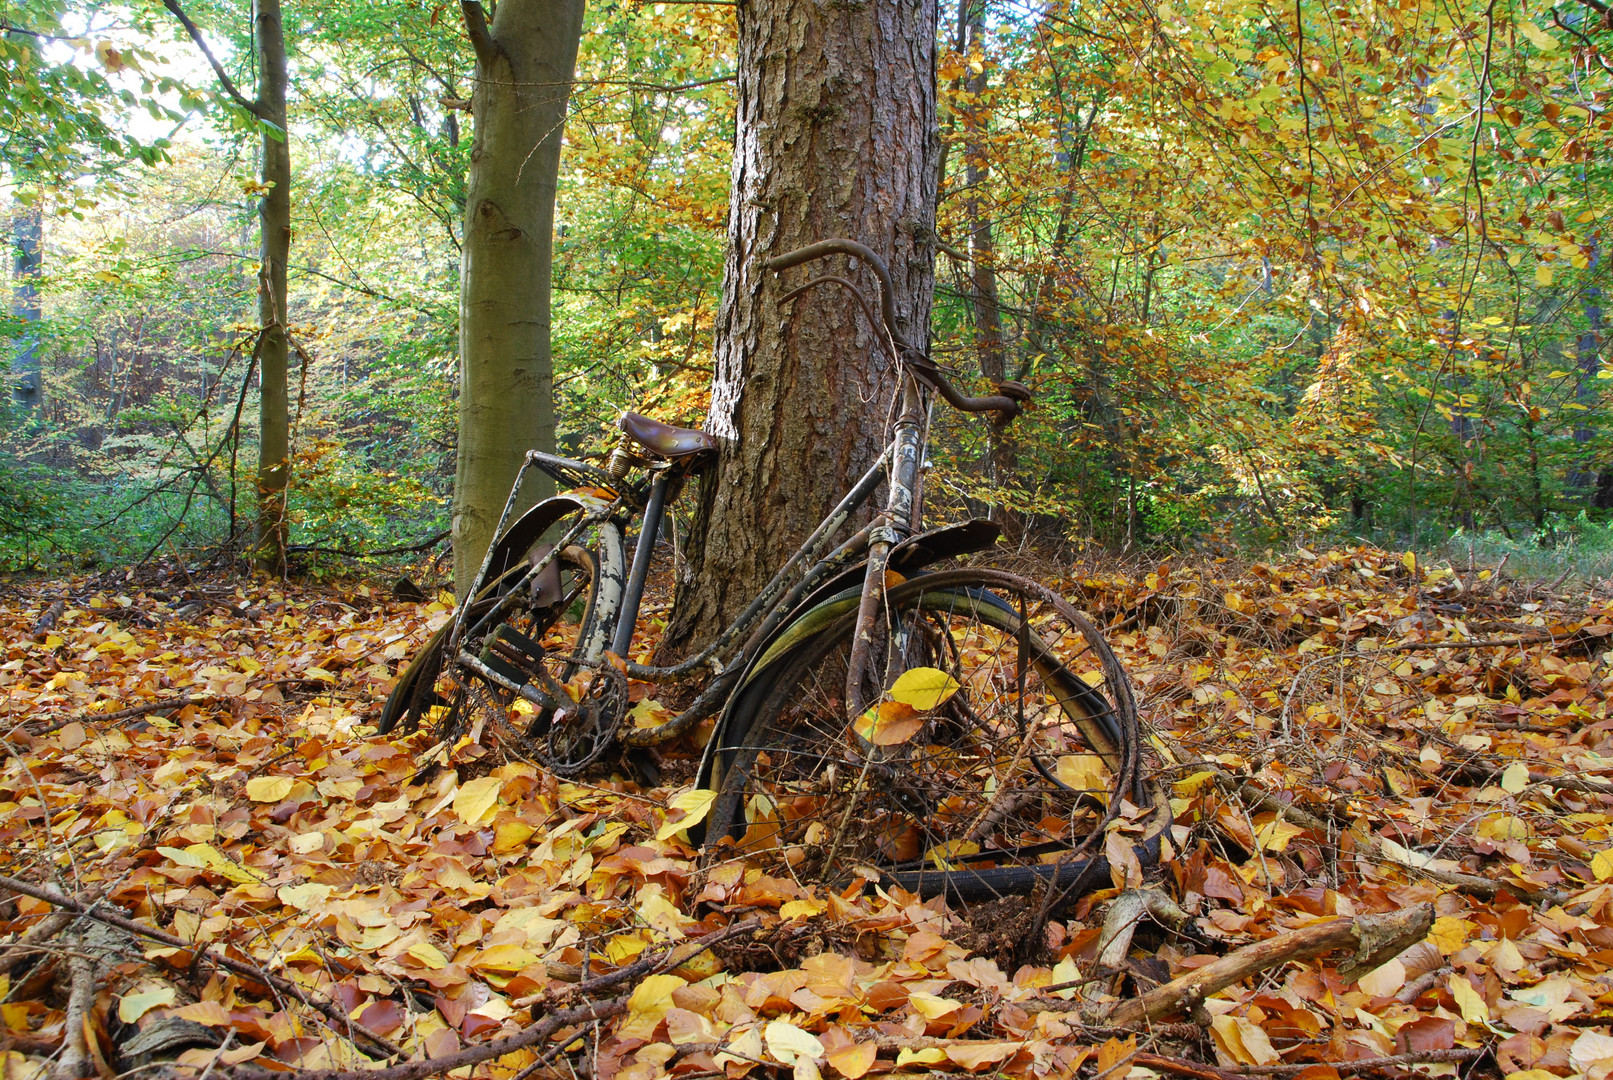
<point x="556" y="621"/>
<point x="1013" y="765"/>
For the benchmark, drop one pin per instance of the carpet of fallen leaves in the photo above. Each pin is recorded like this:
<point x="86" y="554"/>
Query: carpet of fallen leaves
<point x="195" y="757"/>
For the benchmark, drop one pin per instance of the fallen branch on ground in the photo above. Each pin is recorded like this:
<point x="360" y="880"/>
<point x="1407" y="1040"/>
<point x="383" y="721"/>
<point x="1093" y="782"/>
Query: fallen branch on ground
<point x="329" y="1009"/>
<point x="39" y="933"/>
<point x="1210" y="1072"/>
<point x="1375" y="939"/>
<point x="75" y="1060"/>
<point x="531" y="1036"/>
<point x="1125" y="912"/>
<point x="122" y="714"/>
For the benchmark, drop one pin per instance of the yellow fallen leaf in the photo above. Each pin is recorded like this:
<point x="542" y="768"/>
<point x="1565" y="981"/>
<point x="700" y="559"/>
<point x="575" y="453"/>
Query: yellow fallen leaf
<point x="511" y="837"/>
<point x="931" y="1056"/>
<point x="786" y="1042"/>
<point x="211" y="858"/>
<point x="800" y="909"/>
<point x="210" y="1013"/>
<point x="428" y="955"/>
<point x="932" y="1006"/>
<point x="1087" y="772"/>
<point x="1242" y="1041"/>
<point x="923" y="688"/>
<point x="269" y="789"/>
<point x="1602" y="865"/>
<point x="648" y="1006"/>
<point x="1503" y="827"/>
<point x="304" y="897"/>
<point x="476" y="802"/>
<point x="1274" y="835"/>
<point x="1474" y="1009"/>
<point x="132" y="1007"/>
<point x="1515" y="778"/>
<point x="978" y="1055"/>
<point x="345" y="788"/>
<point x="1383" y="980"/>
<point x="695" y="805"/>
<point x="1450" y="933"/>
<point x="307" y="843"/>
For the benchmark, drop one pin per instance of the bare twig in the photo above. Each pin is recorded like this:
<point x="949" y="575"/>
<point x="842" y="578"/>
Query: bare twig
<point x="218" y="69"/>
<point x="100" y="913"/>
<point x="122" y="714"/>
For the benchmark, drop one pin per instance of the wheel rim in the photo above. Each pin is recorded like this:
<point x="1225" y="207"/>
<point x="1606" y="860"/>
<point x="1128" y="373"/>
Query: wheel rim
<point x="1019" y="766"/>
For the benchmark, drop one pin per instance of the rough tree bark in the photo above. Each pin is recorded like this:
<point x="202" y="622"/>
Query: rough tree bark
<point x="524" y="64"/>
<point x="835" y="137"/>
<point x="27" y="236"/>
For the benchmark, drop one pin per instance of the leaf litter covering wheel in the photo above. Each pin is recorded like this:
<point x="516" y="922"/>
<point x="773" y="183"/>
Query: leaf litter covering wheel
<point x="1002" y="743"/>
<point x="516" y="624"/>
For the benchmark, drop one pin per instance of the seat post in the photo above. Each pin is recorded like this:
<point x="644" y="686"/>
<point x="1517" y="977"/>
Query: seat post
<point x="634" y="595"/>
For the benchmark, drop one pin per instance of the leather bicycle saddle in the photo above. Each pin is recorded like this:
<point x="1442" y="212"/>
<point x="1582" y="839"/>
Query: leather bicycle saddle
<point x="672" y="443"/>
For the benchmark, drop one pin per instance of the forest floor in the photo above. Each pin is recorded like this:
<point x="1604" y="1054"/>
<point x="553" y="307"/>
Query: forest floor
<point x="270" y="886"/>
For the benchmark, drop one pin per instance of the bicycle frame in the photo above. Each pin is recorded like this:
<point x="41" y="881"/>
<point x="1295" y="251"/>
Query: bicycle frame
<point x="899" y="464"/>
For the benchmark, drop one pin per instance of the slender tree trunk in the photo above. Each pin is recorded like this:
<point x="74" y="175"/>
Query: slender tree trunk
<point x="835" y="137"/>
<point x="990" y="348"/>
<point x="982" y="249"/>
<point x="274" y="221"/>
<point x="1588" y="353"/>
<point x="524" y="65"/>
<point x="27" y="235"/>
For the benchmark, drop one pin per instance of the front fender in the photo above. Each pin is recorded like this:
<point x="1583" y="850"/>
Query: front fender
<point x="831" y="600"/>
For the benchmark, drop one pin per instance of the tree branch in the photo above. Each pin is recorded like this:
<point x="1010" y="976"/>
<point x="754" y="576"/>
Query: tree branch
<point x="481" y="37"/>
<point x="116" y="917"/>
<point x="218" y="69"/>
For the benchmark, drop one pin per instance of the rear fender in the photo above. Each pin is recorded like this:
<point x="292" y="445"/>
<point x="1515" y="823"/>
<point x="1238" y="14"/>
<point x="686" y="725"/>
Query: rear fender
<point x="511" y="546"/>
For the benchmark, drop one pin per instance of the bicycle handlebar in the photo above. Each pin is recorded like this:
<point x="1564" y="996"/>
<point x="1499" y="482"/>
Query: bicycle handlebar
<point x="1011" y="397"/>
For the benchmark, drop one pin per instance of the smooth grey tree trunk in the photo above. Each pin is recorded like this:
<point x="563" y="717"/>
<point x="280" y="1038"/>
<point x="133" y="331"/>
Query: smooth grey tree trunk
<point x="525" y="60"/>
<point x="835" y="136"/>
<point x="27" y="237"/>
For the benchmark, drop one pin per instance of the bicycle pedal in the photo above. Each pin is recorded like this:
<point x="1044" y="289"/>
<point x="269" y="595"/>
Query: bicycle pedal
<point x="514" y="645"/>
<point x="512" y="654"/>
<point x="504" y="668"/>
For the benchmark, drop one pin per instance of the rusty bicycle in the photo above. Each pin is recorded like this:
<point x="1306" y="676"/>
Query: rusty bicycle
<point x="881" y="711"/>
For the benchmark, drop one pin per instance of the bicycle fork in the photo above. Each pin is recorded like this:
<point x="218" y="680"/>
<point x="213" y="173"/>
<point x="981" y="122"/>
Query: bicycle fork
<point x="884" y="535"/>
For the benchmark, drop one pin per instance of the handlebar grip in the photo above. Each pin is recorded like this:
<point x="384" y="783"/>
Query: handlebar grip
<point x="1011" y="397"/>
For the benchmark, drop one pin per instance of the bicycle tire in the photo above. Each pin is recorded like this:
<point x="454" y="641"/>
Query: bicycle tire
<point x="434" y="691"/>
<point x="1003" y="785"/>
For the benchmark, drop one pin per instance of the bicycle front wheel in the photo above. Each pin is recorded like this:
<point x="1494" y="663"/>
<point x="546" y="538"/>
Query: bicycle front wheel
<point x="1000" y="739"/>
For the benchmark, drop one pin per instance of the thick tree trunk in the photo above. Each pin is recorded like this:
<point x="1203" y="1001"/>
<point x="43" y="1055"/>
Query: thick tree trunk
<point x="274" y="221"/>
<point x="27" y="237"/>
<point x="835" y="137"/>
<point x="524" y="66"/>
